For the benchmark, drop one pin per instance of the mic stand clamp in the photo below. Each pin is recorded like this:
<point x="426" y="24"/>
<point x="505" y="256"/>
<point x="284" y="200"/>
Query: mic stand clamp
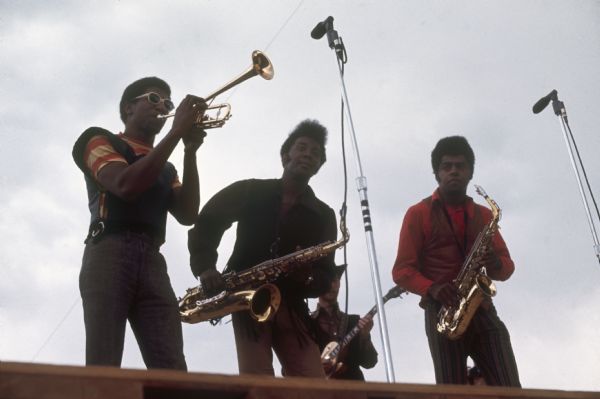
<point x="559" y="109"/>
<point x="336" y="43"/>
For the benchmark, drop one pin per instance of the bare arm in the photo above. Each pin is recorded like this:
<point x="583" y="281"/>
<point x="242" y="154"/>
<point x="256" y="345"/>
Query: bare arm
<point x="186" y="199"/>
<point x="129" y="181"/>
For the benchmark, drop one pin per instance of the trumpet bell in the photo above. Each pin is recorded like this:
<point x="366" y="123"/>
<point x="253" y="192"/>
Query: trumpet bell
<point x="262" y="65"/>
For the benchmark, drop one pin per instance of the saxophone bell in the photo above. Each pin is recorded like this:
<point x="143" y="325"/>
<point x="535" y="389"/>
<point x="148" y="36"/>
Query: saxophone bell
<point x="262" y="304"/>
<point x="265" y="302"/>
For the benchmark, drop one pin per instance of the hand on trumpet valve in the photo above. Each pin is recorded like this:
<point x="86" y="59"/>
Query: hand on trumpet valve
<point x="187" y="113"/>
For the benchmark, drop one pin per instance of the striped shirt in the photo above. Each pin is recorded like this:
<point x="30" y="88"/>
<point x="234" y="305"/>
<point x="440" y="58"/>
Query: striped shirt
<point x="99" y="153"/>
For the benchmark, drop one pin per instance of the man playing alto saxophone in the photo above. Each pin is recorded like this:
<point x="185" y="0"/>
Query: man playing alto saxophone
<point x="274" y="217"/>
<point x="436" y="236"/>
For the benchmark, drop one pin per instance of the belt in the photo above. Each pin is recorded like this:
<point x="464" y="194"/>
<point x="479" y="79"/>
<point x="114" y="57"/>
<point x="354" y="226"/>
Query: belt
<point x="101" y="228"/>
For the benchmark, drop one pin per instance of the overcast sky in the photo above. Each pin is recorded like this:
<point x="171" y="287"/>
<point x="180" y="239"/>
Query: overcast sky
<point x="417" y="71"/>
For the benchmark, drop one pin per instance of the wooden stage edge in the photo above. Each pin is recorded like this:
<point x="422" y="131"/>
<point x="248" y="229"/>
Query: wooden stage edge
<point x="43" y="381"/>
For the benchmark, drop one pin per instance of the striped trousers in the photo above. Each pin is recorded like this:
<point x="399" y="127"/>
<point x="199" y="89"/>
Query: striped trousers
<point x="486" y="341"/>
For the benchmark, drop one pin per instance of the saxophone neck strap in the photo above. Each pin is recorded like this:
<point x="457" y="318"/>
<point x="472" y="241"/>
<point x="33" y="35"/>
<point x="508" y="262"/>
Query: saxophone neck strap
<point x="462" y="247"/>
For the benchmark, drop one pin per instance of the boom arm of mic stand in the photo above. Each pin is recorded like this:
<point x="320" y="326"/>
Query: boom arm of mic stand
<point x="364" y="202"/>
<point x="561" y="112"/>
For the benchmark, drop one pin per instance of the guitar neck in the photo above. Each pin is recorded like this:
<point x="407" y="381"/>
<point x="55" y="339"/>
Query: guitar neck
<point x="354" y="332"/>
<point x="393" y="293"/>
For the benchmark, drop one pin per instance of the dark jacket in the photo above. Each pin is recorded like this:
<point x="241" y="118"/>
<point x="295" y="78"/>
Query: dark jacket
<point x="262" y="234"/>
<point x="360" y="352"/>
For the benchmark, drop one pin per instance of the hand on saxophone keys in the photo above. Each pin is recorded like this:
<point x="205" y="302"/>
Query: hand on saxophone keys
<point x="212" y="282"/>
<point x="445" y="293"/>
<point x="489" y="260"/>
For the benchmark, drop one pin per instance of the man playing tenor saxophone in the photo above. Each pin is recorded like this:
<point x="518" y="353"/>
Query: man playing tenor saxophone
<point x="437" y="236"/>
<point x="274" y="217"/>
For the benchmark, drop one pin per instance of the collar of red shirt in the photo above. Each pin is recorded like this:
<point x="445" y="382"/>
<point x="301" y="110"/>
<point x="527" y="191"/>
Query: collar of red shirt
<point x="469" y="203"/>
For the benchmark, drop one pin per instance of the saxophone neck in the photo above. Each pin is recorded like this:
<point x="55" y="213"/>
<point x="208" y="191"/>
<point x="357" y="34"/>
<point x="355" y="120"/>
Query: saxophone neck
<point x="344" y="230"/>
<point x="481" y="242"/>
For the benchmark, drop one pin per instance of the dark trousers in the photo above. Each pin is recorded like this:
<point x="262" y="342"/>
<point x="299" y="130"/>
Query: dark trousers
<point x="486" y="341"/>
<point x="287" y="334"/>
<point x="124" y="277"/>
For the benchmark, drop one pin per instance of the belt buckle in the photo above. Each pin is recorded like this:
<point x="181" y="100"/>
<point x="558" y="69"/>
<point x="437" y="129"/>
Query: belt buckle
<point x="95" y="232"/>
<point x="98" y="229"/>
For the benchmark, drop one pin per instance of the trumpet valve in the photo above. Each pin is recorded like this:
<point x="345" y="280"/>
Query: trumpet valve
<point x="215" y="116"/>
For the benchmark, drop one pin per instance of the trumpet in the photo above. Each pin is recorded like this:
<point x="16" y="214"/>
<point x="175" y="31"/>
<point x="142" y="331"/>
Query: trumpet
<point x="261" y="65"/>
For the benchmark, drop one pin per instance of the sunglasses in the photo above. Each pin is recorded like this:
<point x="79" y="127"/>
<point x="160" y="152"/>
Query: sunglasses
<point x="154" y="98"/>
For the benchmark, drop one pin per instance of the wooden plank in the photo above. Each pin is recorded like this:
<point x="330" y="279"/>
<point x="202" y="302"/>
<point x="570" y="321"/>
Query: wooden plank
<point x="41" y="381"/>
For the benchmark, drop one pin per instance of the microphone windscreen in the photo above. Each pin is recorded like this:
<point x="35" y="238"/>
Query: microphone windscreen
<point x="318" y="31"/>
<point x="543" y="102"/>
<point x="321" y="28"/>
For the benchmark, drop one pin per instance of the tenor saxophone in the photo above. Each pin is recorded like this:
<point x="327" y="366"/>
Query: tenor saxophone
<point x="251" y="289"/>
<point x="472" y="282"/>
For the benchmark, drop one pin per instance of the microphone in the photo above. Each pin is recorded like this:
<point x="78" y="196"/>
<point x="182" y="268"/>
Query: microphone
<point x="322" y="28"/>
<point x="544" y="101"/>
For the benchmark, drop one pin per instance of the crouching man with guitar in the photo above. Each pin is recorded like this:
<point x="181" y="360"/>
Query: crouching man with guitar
<point x="344" y="340"/>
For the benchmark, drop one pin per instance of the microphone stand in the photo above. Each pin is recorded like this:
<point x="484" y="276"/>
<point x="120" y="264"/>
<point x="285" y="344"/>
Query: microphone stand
<point x="576" y="162"/>
<point x="336" y="44"/>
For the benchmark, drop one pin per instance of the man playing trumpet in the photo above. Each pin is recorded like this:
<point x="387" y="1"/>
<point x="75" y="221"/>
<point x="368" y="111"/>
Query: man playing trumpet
<point x="131" y="188"/>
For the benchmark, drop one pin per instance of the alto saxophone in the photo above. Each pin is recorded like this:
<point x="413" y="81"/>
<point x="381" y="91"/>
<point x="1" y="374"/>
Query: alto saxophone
<point x="472" y="282"/>
<point x="251" y="289"/>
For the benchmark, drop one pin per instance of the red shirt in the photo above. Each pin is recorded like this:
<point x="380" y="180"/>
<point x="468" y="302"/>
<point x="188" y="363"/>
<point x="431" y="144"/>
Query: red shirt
<point x="431" y="251"/>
